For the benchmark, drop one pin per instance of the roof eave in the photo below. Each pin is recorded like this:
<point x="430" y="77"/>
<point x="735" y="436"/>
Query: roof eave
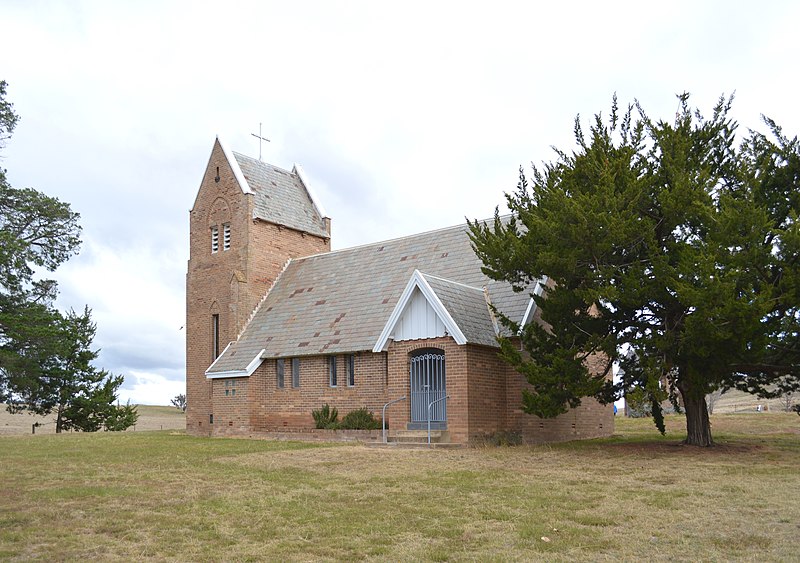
<point x="316" y="202"/>
<point x="237" y="170"/>
<point x="246" y="372"/>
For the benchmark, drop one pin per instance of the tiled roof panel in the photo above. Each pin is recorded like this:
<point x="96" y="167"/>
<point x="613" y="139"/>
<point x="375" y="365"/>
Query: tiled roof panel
<point x="280" y="196"/>
<point x="340" y="301"/>
<point x="467" y="305"/>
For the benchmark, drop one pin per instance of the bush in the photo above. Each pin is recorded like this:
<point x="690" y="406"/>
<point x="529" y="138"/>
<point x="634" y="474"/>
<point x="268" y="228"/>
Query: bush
<point x="325" y="417"/>
<point x="360" y="419"/>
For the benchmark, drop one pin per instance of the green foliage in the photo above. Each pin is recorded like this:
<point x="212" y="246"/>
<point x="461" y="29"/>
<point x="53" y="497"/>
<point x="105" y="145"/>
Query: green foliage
<point x="45" y="356"/>
<point x="326" y="417"/>
<point x="360" y="419"/>
<point x="92" y="407"/>
<point x="644" y="402"/>
<point x="120" y="417"/>
<point x="65" y="380"/>
<point x="8" y="119"/>
<point x="665" y="239"/>
<point x="36" y="232"/>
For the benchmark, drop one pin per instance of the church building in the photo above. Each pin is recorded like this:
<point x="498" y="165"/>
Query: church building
<point x="279" y="325"/>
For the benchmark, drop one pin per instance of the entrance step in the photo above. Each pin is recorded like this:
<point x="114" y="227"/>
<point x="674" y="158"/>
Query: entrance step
<point x="420" y="437"/>
<point x="414" y="445"/>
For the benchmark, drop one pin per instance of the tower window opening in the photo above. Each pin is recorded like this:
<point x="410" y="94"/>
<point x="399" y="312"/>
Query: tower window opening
<point x="226" y="236"/>
<point x="214" y="239"/>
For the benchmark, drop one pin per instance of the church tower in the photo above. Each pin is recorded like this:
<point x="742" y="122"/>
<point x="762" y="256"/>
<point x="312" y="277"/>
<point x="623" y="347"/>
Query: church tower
<point x="248" y="219"/>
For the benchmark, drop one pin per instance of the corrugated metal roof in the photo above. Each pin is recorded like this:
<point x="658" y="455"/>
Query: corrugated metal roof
<point x="340" y="301"/>
<point x="280" y="196"/>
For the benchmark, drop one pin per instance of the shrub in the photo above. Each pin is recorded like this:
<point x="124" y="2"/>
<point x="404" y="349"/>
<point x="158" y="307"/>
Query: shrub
<point x="360" y="419"/>
<point x="325" y="417"/>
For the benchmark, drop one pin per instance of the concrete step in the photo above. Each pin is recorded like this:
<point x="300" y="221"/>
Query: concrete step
<point x="419" y="437"/>
<point x="414" y="445"/>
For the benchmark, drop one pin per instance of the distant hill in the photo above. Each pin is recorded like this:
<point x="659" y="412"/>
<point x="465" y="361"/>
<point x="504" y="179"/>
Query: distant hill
<point x="739" y="401"/>
<point x="150" y="418"/>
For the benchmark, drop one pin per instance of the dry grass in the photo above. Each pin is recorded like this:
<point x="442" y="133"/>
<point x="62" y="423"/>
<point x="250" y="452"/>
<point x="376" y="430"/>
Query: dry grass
<point x="734" y="401"/>
<point x="166" y="496"/>
<point x="150" y="418"/>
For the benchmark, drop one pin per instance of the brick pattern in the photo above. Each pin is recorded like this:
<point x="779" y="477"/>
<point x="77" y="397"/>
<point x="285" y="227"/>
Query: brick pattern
<point x="289" y="408"/>
<point x="231" y="406"/>
<point x="229" y="282"/>
<point x="488" y="377"/>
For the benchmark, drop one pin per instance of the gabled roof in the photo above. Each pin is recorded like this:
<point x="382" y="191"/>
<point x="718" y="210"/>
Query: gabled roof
<point x="468" y="307"/>
<point x="281" y="197"/>
<point x="340" y="301"/>
<point x="461" y="308"/>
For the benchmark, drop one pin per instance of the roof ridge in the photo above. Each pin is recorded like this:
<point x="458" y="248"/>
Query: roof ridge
<point x="262" y="162"/>
<point x="452" y="281"/>
<point x="395" y="239"/>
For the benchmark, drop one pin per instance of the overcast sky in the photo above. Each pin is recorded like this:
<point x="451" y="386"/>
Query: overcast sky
<point x="405" y="117"/>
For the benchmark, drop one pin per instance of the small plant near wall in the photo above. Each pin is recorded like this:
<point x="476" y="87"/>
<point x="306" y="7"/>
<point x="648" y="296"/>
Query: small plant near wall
<point x="360" y="419"/>
<point x="326" y="417"/>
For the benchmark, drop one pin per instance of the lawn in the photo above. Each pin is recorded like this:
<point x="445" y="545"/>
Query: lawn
<point x="168" y="496"/>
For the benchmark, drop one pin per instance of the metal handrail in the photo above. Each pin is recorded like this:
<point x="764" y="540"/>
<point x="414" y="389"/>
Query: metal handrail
<point x="383" y="416"/>
<point x="429" y="415"/>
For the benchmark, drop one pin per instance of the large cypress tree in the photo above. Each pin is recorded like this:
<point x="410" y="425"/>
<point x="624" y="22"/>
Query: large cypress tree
<point x="670" y="249"/>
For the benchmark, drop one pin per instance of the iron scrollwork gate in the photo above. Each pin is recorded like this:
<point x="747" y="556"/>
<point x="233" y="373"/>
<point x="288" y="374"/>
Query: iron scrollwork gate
<point x="428" y="383"/>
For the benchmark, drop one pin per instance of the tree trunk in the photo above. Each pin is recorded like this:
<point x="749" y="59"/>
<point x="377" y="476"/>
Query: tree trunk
<point x="698" y="427"/>
<point x="58" y="419"/>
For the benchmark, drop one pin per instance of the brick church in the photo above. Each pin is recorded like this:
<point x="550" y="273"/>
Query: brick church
<point x="278" y="324"/>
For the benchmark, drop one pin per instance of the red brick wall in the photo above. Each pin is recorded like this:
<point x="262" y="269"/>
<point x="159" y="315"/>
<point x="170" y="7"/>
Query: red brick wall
<point x="231" y="412"/>
<point x="230" y="282"/>
<point x="487" y="391"/>
<point x="270" y="248"/>
<point x="273" y="408"/>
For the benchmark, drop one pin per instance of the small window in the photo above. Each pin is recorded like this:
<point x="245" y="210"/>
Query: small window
<point x="295" y="372"/>
<point x="230" y="388"/>
<point x="332" y="370"/>
<point x="279" y="368"/>
<point x="211" y="419"/>
<point x="351" y="370"/>
<point x="226" y="236"/>
<point x="214" y="239"/>
<point x="214" y="337"/>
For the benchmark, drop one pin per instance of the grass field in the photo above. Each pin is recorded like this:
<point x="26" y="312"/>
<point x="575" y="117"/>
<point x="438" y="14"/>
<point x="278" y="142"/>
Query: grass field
<point x="167" y="496"/>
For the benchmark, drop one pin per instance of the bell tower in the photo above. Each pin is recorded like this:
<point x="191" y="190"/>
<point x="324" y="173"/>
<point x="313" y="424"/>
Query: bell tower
<point x="248" y="219"/>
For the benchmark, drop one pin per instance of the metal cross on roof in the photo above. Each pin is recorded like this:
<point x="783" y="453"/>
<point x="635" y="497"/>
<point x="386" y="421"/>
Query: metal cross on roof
<point x="260" y="139"/>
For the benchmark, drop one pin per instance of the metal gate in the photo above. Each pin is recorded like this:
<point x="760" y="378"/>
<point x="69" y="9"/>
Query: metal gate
<point x="428" y="385"/>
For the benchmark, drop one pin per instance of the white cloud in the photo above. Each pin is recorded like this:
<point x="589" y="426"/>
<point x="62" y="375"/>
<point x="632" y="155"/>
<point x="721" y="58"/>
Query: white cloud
<point x="143" y="388"/>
